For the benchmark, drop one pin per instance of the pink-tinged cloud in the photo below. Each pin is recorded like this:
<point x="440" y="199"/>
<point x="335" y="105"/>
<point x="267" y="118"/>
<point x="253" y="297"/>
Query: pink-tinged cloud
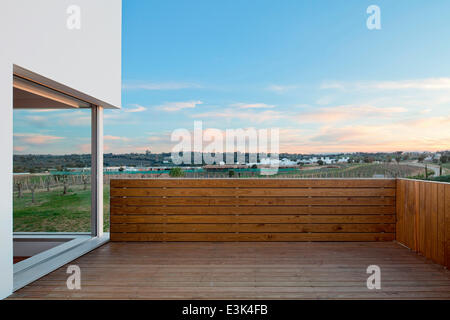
<point x="115" y="138"/>
<point x="430" y="134"/>
<point x="19" y="148"/>
<point x="36" y="139"/>
<point x="84" y="148"/>
<point x="347" y="112"/>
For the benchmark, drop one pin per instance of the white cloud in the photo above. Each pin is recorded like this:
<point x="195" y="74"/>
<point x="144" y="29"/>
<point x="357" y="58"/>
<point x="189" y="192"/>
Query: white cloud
<point x="252" y="106"/>
<point x="281" y="88"/>
<point x="416" y="84"/>
<point x="154" y="86"/>
<point x="244" y="115"/>
<point x="136" y="108"/>
<point x="177" y="106"/>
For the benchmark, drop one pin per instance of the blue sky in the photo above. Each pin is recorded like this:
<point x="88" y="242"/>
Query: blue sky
<point x="310" y="68"/>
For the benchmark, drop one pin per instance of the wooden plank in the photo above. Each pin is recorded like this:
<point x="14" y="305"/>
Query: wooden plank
<point x="245" y="270"/>
<point x="416" y="213"/>
<point x="255" y="192"/>
<point x="410" y="215"/>
<point x="428" y="225"/>
<point x="447" y="225"/>
<point x="205" y="210"/>
<point x="255" y="183"/>
<point x="406" y="215"/>
<point x="248" y="227"/>
<point x="434" y="222"/>
<point x="422" y="215"/>
<point x="440" y="247"/>
<point x="344" y="201"/>
<point x="224" y="237"/>
<point x="237" y="208"/>
<point x="400" y="208"/>
<point x="252" y="219"/>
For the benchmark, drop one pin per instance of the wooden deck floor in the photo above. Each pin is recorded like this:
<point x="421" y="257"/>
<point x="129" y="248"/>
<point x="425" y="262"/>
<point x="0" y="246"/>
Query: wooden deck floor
<point x="246" y="271"/>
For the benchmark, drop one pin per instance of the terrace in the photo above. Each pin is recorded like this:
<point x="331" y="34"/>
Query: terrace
<point x="266" y="239"/>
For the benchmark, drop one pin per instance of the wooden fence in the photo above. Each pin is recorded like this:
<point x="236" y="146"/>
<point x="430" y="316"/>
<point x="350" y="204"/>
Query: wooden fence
<point x="253" y="209"/>
<point x="423" y="218"/>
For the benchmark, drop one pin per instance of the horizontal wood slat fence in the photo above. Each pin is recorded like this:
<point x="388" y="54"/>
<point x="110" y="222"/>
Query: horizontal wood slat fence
<point x="423" y="218"/>
<point x="253" y="209"/>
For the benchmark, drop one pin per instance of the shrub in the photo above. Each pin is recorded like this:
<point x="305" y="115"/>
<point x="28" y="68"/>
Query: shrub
<point x="176" y="172"/>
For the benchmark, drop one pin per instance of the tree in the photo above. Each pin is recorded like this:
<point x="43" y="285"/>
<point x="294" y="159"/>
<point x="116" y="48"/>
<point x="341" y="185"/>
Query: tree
<point x="398" y="156"/>
<point x="320" y="162"/>
<point x="47" y="183"/>
<point x="444" y="159"/>
<point x="32" y="187"/>
<point x="19" y="189"/>
<point x="85" y="182"/>
<point x="176" y="172"/>
<point x="368" y="159"/>
<point x="231" y="173"/>
<point x="65" y="185"/>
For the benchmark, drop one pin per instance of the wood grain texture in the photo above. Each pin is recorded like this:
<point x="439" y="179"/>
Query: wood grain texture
<point x="245" y="270"/>
<point x="423" y="219"/>
<point x="253" y="209"/>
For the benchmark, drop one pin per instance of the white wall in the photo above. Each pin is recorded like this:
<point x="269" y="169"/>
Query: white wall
<point x="34" y="35"/>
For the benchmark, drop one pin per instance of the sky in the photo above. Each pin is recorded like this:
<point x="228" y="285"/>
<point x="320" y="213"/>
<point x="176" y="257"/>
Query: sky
<point x="312" y="69"/>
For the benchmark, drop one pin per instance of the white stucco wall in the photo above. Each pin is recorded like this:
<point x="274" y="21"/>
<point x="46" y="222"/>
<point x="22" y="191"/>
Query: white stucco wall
<point x="34" y="35"/>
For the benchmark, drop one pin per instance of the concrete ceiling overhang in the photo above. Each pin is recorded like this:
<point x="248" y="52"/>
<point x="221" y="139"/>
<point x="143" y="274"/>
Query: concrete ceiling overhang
<point x="36" y="91"/>
<point x="29" y="95"/>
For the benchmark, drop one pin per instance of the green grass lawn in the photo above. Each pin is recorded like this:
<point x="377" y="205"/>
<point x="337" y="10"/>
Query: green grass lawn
<point x="446" y="167"/>
<point x="55" y="212"/>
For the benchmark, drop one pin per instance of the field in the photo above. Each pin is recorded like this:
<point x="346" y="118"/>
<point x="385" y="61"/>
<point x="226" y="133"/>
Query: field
<point x="366" y="170"/>
<point x="55" y="212"/>
<point x="446" y="166"/>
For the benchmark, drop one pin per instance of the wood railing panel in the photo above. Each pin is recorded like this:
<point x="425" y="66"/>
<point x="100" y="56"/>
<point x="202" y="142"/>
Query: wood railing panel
<point x="423" y="210"/>
<point x="283" y="210"/>
<point x="253" y="209"/>
<point x="253" y="183"/>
